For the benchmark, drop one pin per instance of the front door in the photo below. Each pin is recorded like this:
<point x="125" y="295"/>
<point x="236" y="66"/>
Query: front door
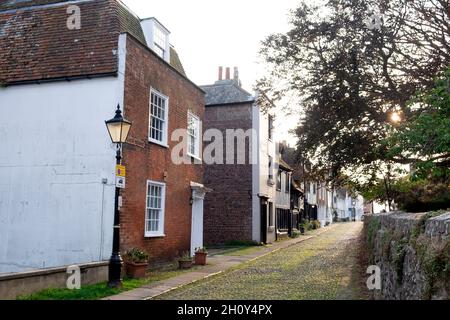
<point x="198" y="196"/>
<point x="264" y="221"/>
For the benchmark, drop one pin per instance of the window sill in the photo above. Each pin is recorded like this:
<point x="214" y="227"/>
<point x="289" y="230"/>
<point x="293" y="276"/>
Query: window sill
<point x="195" y="157"/>
<point x="159" y="143"/>
<point x="151" y="236"/>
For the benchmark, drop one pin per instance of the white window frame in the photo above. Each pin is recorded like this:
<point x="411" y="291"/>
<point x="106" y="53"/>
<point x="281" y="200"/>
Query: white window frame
<point x="166" y="119"/>
<point x="197" y="154"/>
<point x="160" y="232"/>
<point x="157" y="32"/>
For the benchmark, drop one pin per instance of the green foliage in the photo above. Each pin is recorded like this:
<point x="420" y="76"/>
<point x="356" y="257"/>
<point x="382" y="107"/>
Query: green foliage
<point x="399" y="258"/>
<point x="185" y="257"/>
<point x="136" y="255"/>
<point x="386" y="242"/>
<point x="425" y="134"/>
<point x="372" y="226"/>
<point x="436" y="264"/>
<point x="295" y="234"/>
<point x="101" y="290"/>
<point x="411" y="195"/>
<point x="348" y="79"/>
<point x="315" y="225"/>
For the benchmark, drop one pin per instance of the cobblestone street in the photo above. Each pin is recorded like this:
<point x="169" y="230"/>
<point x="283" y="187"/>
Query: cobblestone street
<point x="323" y="267"/>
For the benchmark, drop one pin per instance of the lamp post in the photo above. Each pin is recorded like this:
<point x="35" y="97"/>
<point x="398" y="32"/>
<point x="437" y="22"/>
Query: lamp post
<point x="118" y="129"/>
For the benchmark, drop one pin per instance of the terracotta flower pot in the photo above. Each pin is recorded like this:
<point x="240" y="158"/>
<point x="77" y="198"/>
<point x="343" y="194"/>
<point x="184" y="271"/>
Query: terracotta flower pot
<point x="185" y="264"/>
<point x="136" y="270"/>
<point x="200" y="258"/>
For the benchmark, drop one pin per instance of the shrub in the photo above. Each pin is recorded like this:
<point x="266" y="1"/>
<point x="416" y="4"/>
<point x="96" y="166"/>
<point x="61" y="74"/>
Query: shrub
<point x="315" y="224"/>
<point x="201" y="250"/>
<point x="136" y="255"/>
<point x="373" y="226"/>
<point x="185" y="257"/>
<point x="295" y="234"/>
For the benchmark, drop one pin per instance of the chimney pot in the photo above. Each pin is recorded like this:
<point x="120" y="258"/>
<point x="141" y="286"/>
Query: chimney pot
<point x="227" y="73"/>
<point x="220" y="73"/>
<point x="236" y="76"/>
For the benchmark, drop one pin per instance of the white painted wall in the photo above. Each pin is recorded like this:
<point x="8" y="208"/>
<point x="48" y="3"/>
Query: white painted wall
<point x="283" y="198"/>
<point x="54" y="209"/>
<point x="260" y="171"/>
<point x="256" y="177"/>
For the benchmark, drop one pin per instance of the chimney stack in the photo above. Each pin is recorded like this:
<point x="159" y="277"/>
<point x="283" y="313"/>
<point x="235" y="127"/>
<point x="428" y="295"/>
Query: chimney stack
<point x="236" y="76"/>
<point x="227" y="73"/>
<point x="220" y="73"/>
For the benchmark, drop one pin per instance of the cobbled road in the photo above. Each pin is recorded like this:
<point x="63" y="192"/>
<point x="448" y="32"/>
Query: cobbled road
<point x="323" y="267"/>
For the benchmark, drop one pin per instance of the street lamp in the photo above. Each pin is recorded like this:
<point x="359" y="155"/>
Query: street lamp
<point x="118" y="129"/>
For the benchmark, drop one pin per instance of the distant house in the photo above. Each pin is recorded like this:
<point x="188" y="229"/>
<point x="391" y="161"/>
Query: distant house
<point x="57" y="167"/>
<point x="297" y="202"/>
<point x="284" y="218"/>
<point x="242" y="203"/>
<point x="347" y="207"/>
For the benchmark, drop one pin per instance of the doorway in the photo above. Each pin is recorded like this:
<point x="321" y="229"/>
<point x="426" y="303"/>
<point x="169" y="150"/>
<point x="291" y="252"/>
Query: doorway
<point x="264" y="221"/>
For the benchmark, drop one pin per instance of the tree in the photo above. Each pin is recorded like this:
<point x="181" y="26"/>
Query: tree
<point x="424" y="138"/>
<point x="349" y="74"/>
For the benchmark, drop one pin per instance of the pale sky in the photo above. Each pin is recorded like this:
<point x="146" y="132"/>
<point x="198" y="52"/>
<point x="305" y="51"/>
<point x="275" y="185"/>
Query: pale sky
<point x="211" y="33"/>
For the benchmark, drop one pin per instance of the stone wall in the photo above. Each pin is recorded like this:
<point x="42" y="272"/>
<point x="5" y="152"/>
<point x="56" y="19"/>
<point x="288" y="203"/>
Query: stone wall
<point x="413" y="252"/>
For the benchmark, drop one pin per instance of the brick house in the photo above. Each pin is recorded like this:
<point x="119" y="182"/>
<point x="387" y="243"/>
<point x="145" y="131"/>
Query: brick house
<point x="242" y="203"/>
<point x="57" y="171"/>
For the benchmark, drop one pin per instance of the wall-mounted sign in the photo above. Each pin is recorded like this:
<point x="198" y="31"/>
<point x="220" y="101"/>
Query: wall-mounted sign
<point x="120" y="171"/>
<point x="120" y="182"/>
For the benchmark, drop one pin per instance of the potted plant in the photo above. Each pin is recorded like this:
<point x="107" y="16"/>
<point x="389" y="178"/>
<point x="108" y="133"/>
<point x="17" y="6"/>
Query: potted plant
<point x="185" y="261"/>
<point x="302" y="228"/>
<point x="200" y="256"/>
<point x="136" y="263"/>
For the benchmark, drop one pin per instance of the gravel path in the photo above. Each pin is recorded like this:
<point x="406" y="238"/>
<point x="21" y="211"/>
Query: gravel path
<point x="320" y="268"/>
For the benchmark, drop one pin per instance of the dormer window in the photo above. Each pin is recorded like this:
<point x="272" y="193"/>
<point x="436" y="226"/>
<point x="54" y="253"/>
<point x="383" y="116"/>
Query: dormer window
<point x="157" y="37"/>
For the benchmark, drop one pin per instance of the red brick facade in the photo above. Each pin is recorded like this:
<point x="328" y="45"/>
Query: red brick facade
<point x="228" y="209"/>
<point x="147" y="161"/>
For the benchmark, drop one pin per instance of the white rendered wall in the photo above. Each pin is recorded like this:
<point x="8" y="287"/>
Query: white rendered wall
<point x="54" y="209"/>
<point x="283" y="198"/>
<point x="260" y="171"/>
<point x="256" y="177"/>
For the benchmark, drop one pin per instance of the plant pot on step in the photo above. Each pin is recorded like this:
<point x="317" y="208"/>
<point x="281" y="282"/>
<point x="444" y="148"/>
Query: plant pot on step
<point x="136" y="269"/>
<point x="200" y="258"/>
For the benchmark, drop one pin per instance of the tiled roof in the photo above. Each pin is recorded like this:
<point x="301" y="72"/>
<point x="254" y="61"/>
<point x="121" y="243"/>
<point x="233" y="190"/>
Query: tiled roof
<point x="284" y="165"/>
<point x="16" y="4"/>
<point x="36" y="45"/>
<point x="176" y="62"/>
<point x="130" y="23"/>
<point x="226" y="92"/>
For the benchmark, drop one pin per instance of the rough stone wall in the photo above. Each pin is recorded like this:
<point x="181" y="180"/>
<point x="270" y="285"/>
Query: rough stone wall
<point x="413" y="253"/>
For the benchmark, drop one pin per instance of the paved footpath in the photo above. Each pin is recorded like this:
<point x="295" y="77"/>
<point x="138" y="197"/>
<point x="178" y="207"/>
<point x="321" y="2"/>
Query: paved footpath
<point x="316" y="266"/>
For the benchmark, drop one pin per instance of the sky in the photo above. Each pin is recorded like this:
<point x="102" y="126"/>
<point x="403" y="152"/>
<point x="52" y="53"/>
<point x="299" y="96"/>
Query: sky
<point x="211" y="33"/>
